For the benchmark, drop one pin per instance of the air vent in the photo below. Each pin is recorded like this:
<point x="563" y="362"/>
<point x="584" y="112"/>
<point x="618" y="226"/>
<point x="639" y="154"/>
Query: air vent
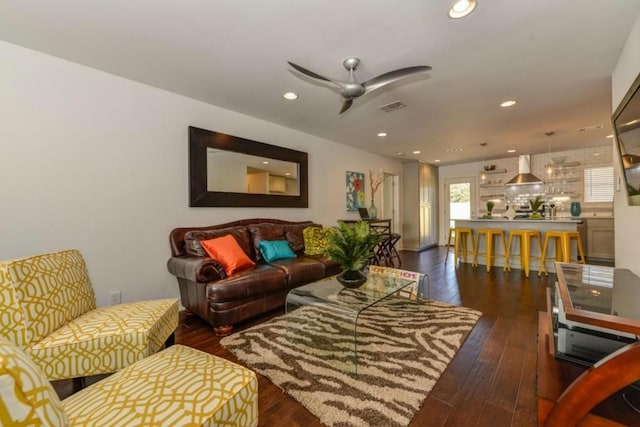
<point x="395" y="105"/>
<point x="454" y="150"/>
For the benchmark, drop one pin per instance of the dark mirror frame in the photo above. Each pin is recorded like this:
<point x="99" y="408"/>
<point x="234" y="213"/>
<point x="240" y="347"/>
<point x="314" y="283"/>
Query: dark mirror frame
<point x="629" y="163"/>
<point x="199" y="196"/>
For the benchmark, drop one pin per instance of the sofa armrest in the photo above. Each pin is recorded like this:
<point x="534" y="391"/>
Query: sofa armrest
<point x="195" y="268"/>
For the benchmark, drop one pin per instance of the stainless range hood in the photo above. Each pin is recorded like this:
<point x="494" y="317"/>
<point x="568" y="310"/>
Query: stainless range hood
<point x="524" y="177"/>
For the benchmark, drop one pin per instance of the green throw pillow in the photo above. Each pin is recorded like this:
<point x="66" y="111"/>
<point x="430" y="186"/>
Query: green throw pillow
<point x="315" y="241"/>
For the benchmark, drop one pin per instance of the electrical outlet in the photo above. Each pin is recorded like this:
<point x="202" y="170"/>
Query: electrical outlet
<point x="115" y="297"/>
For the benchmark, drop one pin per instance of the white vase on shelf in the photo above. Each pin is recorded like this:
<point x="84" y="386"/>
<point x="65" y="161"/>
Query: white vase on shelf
<point x="511" y="212"/>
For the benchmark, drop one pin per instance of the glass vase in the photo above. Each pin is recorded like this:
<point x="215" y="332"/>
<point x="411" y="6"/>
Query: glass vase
<point x="575" y="209"/>
<point x="372" y="211"/>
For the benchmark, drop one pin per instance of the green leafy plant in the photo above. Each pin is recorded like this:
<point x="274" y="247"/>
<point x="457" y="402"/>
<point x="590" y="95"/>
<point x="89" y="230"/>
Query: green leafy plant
<point x="490" y="206"/>
<point x="535" y="206"/>
<point x="351" y="246"/>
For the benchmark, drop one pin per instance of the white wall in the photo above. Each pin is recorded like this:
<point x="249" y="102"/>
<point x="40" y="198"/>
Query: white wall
<point x="99" y="163"/>
<point x="627" y="218"/>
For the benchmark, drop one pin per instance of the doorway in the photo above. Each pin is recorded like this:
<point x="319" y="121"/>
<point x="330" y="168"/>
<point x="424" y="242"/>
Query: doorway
<point x="391" y="201"/>
<point x="459" y="200"/>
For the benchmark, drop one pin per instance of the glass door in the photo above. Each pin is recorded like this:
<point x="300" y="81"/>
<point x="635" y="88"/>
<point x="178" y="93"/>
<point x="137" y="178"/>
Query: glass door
<point x="459" y="201"/>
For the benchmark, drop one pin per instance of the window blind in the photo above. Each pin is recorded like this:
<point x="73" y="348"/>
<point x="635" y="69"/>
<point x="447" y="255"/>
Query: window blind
<point x="598" y="184"/>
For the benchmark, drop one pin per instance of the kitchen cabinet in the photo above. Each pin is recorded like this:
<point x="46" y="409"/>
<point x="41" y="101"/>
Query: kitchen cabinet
<point x="420" y="206"/>
<point x="600" y="243"/>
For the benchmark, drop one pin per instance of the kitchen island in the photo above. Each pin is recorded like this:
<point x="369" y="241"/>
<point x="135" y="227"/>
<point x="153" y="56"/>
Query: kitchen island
<point x="542" y="225"/>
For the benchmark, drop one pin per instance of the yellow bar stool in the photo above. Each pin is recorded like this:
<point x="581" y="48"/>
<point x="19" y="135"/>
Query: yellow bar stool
<point x="525" y="237"/>
<point x="462" y="237"/>
<point x="562" y="241"/>
<point x="451" y="235"/>
<point x="489" y="235"/>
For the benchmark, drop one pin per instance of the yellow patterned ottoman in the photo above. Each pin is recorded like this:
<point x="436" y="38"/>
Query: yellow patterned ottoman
<point x="178" y="386"/>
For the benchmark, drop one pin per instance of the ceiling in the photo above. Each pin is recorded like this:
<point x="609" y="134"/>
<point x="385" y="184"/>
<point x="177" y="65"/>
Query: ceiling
<point x="555" y="57"/>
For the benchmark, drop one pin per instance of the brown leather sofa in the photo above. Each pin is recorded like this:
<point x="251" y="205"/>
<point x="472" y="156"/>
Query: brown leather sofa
<point x="224" y="301"/>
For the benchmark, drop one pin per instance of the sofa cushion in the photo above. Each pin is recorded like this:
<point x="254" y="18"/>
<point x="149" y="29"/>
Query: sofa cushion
<point x="227" y="252"/>
<point x="106" y="339"/>
<point x="250" y="283"/>
<point x="294" y="235"/>
<point x="265" y="231"/>
<point x="194" y="248"/>
<point x="272" y="250"/>
<point x="300" y="270"/>
<point x="315" y="241"/>
<point x="52" y="289"/>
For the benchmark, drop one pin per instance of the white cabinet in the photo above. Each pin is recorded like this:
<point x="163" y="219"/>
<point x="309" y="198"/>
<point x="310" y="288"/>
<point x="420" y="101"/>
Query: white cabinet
<point x="600" y="242"/>
<point x="420" y="206"/>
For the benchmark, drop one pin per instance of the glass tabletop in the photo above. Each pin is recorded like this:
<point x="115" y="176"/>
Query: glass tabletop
<point x="330" y="291"/>
<point x="612" y="292"/>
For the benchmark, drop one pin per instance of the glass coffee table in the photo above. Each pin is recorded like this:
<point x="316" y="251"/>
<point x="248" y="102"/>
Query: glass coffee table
<point x="343" y="306"/>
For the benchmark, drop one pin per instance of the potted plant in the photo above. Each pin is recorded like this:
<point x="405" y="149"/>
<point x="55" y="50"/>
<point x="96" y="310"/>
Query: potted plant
<point x="351" y="247"/>
<point x="490" y="206"/>
<point x="535" y="207"/>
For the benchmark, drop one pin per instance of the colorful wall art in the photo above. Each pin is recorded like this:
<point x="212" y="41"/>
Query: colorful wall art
<point x="355" y="190"/>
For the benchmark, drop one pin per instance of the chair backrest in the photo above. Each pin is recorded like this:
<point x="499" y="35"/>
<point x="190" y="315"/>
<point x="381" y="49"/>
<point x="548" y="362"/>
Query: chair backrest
<point x="422" y="280"/>
<point x="26" y="396"/>
<point x="41" y="293"/>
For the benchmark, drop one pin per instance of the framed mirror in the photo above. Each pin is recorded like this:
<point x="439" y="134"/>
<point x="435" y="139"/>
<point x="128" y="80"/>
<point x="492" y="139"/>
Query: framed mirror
<point x="229" y="171"/>
<point x="626" y="125"/>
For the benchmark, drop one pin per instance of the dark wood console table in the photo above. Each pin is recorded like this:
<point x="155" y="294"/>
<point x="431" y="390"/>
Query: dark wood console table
<point x="574" y="395"/>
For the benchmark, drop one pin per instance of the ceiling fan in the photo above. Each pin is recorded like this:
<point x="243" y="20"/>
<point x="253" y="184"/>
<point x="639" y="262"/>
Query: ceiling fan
<point x="352" y="89"/>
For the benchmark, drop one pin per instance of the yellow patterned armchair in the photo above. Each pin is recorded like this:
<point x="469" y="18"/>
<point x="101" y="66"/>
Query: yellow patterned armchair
<point x="48" y="309"/>
<point x="177" y="387"/>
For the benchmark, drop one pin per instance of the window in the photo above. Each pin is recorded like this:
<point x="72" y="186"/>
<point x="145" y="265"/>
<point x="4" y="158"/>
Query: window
<point x="598" y="184"/>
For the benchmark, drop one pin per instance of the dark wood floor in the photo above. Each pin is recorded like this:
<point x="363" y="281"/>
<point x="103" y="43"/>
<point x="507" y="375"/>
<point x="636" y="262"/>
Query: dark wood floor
<point x="490" y="382"/>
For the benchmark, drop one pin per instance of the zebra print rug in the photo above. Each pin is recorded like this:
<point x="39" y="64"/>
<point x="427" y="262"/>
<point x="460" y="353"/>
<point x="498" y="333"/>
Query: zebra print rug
<point x="403" y="347"/>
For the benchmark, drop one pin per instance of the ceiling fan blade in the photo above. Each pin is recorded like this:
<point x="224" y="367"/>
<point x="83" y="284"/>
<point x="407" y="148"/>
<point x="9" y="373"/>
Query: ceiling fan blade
<point x="346" y="105"/>
<point x="392" y="76"/>
<point x="309" y="73"/>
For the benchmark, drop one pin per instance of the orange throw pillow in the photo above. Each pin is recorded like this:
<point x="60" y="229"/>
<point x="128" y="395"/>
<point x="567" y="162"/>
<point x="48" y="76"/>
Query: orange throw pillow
<point x="227" y="252"/>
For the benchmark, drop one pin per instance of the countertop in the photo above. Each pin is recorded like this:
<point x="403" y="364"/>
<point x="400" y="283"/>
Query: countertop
<point x="528" y="220"/>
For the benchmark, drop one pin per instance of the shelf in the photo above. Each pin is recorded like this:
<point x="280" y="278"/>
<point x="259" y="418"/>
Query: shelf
<point x="491" y="185"/>
<point x="563" y="165"/>
<point x="493" y="172"/>
<point x="561" y="180"/>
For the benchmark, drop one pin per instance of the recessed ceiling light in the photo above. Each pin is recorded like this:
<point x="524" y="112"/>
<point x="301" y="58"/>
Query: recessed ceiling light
<point x="382" y="134"/>
<point x="437" y="160"/>
<point x="508" y="103"/>
<point x="511" y="151"/>
<point x="265" y="162"/>
<point x="287" y="174"/>
<point x="399" y="153"/>
<point x="462" y="8"/>
<point x="291" y="96"/>
<point x="597" y="153"/>
<point x="416" y="151"/>
<point x="610" y="136"/>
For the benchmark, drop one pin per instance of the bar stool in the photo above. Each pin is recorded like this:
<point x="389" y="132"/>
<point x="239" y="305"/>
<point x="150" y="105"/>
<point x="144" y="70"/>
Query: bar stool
<point x="489" y="234"/>
<point x="563" y="248"/>
<point x="525" y="237"/>
<point x="461" y="242"/>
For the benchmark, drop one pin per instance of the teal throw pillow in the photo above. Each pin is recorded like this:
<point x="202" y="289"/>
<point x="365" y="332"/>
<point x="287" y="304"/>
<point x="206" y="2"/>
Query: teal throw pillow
<point x="275" y="249"/>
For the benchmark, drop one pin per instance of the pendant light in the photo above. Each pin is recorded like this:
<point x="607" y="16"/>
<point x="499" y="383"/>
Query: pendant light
<point x="549" y="167"/>
<point x="483" y="175"/>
